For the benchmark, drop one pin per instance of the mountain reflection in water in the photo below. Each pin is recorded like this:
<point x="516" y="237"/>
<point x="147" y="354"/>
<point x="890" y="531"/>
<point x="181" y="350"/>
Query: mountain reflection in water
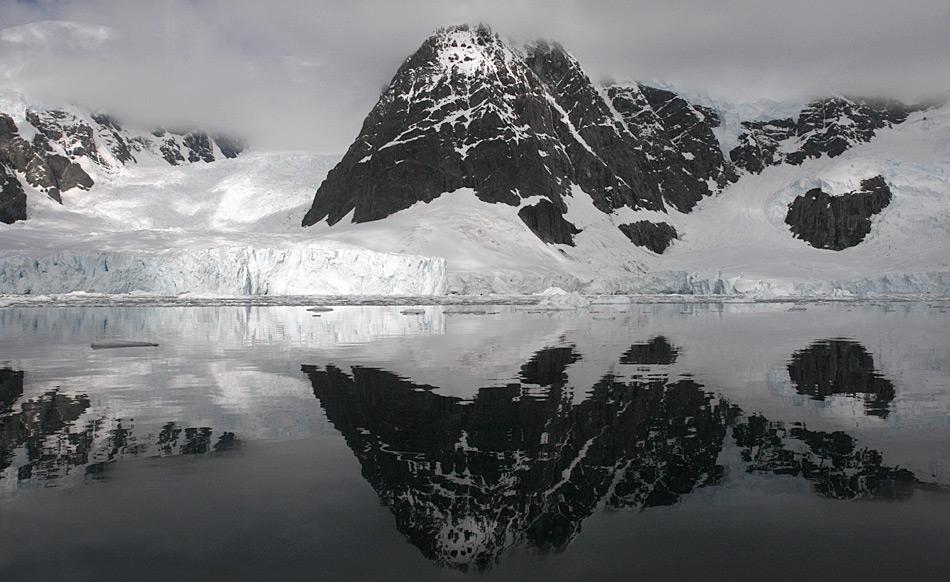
<point x="467" y="478"/>
<point x="45" y="428"/>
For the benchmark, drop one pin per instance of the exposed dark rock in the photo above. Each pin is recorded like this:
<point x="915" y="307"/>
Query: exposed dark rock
<point x="49" y="161"/>
<point x="111" y="132"/>
<point x="656" y="236"/>
<point x="834" y="367"/>
<point x="831" y="126"/>
<point x="230" y="147"/>
<point x="445" y="123"/>
<point x="825" y="127"/>
<point x="68" y="174"/>
<point x="677" y="147"/>
<point x="12" y="197"/>
<point x="74" y="136"/>
<point x="171" y="151"/>
<point x="759" y="145"/>
<point x="199" y="146"/>
<point x="548" y="223"/>
<point x="837" y="222"/>
<point x="606" y="163"/>
<point x="689" y="129"/>
<point x="52" y="173"/>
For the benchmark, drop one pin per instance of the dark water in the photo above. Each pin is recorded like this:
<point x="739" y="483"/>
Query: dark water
<point x="629" y="442"/>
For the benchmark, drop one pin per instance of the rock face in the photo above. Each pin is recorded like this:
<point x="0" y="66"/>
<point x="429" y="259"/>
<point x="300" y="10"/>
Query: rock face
<point x="37" y="160"/>
<point x="676" y="140"/>
<point x="66" y="145"/>
<point x="469" y="111"/>
<point x="656" y="236"/>
<point x="545" y="220"/>
<point x="825" y="127"/>
<point x="12" y="197"/>
<point x="837" y="222"/>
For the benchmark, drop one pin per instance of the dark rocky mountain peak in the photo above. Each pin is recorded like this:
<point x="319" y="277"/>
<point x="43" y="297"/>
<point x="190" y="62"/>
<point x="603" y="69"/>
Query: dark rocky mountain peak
<point x="468" y="110"/>
<point x="464" y="111"/>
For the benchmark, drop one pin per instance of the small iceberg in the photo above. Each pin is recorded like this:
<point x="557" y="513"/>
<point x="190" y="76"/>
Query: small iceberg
<point x="112" y="344"/>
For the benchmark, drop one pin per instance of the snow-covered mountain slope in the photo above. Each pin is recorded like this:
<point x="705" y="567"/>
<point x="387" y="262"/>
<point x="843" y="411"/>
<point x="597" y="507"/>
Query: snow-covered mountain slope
<point x="486" y="167"/>
<point x="228" y="228"/>
<point x="641" y="195"/>
<point x="740" y="242"/>
<point x="54" y="150"/>
<point x="737" y="242"/>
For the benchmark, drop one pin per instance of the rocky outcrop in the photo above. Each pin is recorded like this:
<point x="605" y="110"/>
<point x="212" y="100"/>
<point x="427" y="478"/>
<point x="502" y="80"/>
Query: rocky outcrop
<point x="12" y="197"/>
<point x="43" y="169"/>
<point x="760" y="143"/>
<point x="548" y="223"/>
<point x="656" y="236"/>
<point x="837" y="222"/>
<point x="826" y="127"/>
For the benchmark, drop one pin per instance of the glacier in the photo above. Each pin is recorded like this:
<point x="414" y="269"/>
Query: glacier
<point x="227" y="271"/>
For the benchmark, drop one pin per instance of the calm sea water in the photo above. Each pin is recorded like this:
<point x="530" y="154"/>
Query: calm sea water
<point x="632" y="441"/>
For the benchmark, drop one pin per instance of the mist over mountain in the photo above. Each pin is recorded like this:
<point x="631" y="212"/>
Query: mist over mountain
<point x="301" y="75"/>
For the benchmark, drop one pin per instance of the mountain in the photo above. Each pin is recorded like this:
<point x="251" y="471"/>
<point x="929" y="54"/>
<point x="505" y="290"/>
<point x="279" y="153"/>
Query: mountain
<point x="510" y="163"/>
<point x="520" y="128"/>
<point x="57" y="150"/>
<point x="488" y="167"/>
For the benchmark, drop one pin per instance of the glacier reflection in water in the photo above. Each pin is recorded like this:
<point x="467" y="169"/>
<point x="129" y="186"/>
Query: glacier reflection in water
<point x="273" y="441"/>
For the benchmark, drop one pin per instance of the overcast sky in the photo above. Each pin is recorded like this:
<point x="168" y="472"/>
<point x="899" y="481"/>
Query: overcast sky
<point x="303" y="74"/>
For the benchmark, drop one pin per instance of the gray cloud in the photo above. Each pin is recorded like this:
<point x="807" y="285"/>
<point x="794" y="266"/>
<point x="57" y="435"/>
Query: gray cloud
<point x="301" y="74"/>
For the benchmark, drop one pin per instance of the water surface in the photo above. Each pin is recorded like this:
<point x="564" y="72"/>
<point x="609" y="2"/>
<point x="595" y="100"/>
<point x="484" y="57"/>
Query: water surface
<point x="727" y="441"/>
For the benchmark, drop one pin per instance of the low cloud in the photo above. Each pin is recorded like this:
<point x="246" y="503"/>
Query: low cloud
<point x="301" y="74"/>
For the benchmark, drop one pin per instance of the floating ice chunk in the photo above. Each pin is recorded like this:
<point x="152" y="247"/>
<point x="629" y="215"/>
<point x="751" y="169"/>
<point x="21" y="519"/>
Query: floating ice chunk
<point x="112" y="344"/>
<point x="565" y="301"/>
